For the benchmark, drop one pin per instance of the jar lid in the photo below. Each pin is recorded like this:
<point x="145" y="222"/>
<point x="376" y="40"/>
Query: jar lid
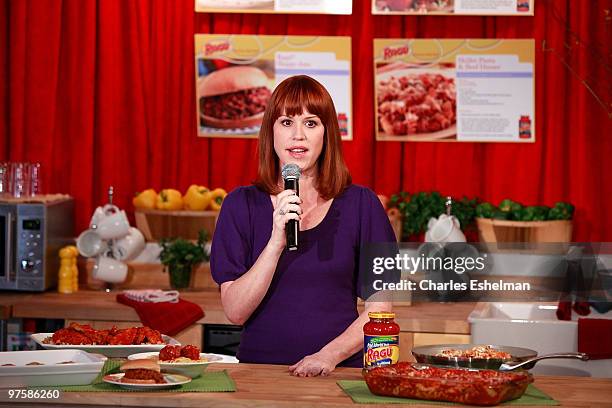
<point x="381" y="315"/>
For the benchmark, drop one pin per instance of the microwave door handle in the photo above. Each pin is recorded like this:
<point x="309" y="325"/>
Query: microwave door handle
<point x="8" y="243"/>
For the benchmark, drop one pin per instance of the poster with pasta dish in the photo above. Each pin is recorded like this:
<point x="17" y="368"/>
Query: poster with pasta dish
<point x="454" y="7"/>
<point x="275" y="6"/>
<point x="236" y="75"/>
<point x="469" y="90"/>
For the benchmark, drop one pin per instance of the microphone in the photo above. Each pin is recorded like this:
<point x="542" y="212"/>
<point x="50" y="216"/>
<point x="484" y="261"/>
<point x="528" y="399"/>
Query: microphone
<point x="291" y="176"/>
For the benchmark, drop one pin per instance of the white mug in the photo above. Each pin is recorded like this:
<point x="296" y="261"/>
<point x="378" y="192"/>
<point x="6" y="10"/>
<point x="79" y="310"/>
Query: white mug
<point x="90" y="243"/>
<point x="130" y="246"/>
<point x="444" y="229"/>
<point x="110" y="270"/>
<point x="113" y="226"/>
<point x="102" y="212"/>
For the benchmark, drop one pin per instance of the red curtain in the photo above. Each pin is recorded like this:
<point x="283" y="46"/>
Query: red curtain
<point x="102" y="93"/>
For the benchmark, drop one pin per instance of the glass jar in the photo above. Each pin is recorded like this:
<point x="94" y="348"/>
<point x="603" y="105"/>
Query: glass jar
<point x="380" y="340"/>
<point x="525" y="127"/>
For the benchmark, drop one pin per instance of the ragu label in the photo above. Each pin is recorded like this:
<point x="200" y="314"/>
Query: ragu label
<point x="217" y="46"/>
<point x="390" y="52"/>
<point x="525" y="127"/>
<point x="380" y="351"/>
<point x="522" y="5"/>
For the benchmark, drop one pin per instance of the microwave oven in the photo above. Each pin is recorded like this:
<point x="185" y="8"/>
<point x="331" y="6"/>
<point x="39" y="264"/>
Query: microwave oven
<point x="31" y="234"/>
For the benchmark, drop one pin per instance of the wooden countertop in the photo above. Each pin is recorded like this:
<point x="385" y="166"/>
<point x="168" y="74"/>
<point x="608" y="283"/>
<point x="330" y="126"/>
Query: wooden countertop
<point x="99" y="305"/>
<point x="272" y="386"/>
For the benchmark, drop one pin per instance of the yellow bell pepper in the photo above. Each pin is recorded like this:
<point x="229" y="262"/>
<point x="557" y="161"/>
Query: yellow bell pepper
<point x="145" y="199"/>
<point x="197" y="198"/>
<point x="216" y="198"/>
<point x="169" y="199"/>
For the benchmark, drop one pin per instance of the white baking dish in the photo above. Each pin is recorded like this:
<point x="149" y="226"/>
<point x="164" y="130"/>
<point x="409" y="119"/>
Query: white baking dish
<point x="83" y="371"/>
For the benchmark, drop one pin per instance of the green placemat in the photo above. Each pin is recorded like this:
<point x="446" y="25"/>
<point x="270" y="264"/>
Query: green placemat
<point x="359" y="393"/>
<point x="210" y="381"/>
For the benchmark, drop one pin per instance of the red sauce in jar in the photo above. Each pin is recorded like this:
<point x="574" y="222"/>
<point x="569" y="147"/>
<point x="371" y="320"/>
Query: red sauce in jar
<point x="525" y="127"/>
<point x="380" y="340"/>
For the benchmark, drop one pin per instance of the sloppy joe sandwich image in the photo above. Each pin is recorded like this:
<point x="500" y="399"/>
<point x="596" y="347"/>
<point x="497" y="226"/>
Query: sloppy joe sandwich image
<point x="233" y="97"/>
<point x="142" y="371"/>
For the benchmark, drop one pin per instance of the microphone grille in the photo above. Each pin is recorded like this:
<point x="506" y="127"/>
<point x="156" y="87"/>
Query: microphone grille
<point x="290" y="171"/>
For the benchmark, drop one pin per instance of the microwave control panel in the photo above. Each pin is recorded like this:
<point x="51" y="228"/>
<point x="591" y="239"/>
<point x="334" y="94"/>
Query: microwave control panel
<point x="31" y="246"/>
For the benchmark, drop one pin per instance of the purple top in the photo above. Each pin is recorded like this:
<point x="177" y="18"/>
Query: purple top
<point x="312" y="298"/>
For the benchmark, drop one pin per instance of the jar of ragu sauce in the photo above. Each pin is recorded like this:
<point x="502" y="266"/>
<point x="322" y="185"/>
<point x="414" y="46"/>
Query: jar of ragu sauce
<point x="380" y="340"/>
<point x="525" y="127"/>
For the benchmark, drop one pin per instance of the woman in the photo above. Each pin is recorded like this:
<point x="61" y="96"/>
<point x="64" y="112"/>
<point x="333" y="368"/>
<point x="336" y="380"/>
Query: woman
<point x="298" y="307"/>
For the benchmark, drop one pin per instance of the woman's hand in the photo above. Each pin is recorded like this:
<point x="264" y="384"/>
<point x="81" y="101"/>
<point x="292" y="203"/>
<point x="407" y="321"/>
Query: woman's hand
<point x="287" y="208"/>
<point x="320" y="363"/>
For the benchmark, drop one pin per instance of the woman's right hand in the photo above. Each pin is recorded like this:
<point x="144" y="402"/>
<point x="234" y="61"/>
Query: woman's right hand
<point x="287" y="208"/>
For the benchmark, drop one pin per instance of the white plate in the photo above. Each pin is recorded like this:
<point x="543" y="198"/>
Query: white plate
<point x="172" y="380"/>
<point x="218" y="358"/>
<point x="192" y="369"/>
<point x="107" y="350"/>
<point x="83" y="370"/>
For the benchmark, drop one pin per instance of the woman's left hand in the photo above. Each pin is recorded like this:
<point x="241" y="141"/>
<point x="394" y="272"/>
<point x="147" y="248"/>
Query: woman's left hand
<point x="320" y="363"/>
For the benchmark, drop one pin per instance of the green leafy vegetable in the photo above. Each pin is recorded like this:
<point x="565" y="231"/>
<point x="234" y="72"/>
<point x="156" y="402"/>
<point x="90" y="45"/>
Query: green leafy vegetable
<point x="561" y="211"/>
<point x="485" y="210"/>
<point x="465" y="211"/>
<point x="181" y="252"/>
<point x="418" y="208"/>
<point x="512" y="208"/>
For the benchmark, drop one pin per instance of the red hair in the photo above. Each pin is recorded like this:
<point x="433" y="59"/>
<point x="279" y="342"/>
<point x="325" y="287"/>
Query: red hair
<point x="292" y="97"/>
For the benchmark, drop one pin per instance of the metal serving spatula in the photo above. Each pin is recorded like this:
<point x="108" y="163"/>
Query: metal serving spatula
<point x="527" y="364"/>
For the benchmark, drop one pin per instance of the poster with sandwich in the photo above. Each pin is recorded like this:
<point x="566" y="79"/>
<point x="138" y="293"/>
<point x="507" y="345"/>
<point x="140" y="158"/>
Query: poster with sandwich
<point x="275" y="6"/>
<point x="236" y="75"/>
<point x="454" y="7"/>
<point x="469" y="90"/>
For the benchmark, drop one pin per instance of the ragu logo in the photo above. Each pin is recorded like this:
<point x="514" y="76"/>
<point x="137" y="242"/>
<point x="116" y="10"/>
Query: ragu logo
<point x="379" y="353"/>
<point x="390" y="52"/>
<point x="213" y="47"/>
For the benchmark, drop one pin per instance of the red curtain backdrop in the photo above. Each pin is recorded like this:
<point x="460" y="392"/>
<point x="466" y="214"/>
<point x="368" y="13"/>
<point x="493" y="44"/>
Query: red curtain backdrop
<point x="102" y="93"/>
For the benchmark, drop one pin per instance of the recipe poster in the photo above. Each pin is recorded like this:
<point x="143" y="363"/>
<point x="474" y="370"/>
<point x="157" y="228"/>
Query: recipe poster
<point x="236" y="74"/>
<point x="454" y="7"/>
<point x="275" y="6"/>
<point x="470" y="90"/>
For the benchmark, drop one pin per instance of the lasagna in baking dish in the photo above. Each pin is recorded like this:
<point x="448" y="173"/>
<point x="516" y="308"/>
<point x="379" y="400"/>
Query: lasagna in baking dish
<point x="465" y="386"/>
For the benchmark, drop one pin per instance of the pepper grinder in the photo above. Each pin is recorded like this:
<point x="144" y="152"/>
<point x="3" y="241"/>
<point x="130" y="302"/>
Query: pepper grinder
<point x="449" y="205"/>
<point x="109" y="286"/>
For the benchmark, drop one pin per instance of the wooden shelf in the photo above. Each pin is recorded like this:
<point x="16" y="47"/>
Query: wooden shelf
<point x="492" y="230"/>
<point x="158" y="224"/>
<point x="149" y="275"/>
<point x="180" y="213"/>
